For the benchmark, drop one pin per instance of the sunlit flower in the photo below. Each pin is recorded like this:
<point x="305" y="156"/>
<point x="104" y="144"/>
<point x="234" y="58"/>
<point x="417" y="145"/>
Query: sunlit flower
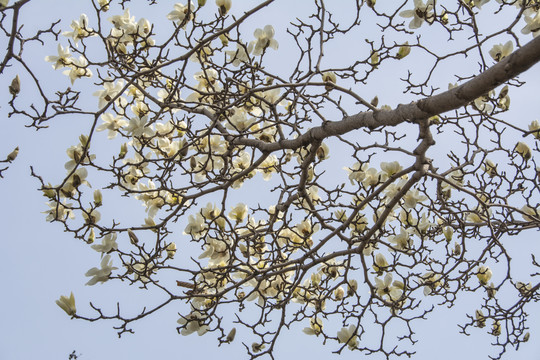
<point x="238" y="213"/>
<point x="109" y="92"/>
<point x="80" y="28"/>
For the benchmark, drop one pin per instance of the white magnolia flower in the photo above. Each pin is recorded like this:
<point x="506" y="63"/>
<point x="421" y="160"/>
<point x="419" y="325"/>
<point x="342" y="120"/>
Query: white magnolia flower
<point x="533" y="24"/>
<point x="137" y="127"/>
<point x="62" y="60"/>
<point x="196" y="226"/>
<point x="181" y="11"/>
<point x="315" y="327"/>
<point x="109" y="92"/>
<point x="348" y="336"/>
<point x="239" y="55"/>
<point x="500" y="51"/>
<point x="108" y="243"/>
<point x="421" y="12"/>
<point x="101" y="275"/>
<point x="484" y="274"/>
<point x="385" y="288"/>
<point x="264" y="39"/>
<point x="194" y="322"/>
<point x="238" y="213"/>
<point x="113" y="123"/>
<point x="78" y="68"/>
<point x="80" y="29"/>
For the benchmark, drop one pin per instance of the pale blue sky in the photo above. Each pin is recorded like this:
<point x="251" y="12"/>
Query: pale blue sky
<point x="42" y="262"/>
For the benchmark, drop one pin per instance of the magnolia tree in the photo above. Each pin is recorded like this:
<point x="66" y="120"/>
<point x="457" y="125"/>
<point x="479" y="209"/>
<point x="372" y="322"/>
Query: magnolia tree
<point x="280" y="191"/>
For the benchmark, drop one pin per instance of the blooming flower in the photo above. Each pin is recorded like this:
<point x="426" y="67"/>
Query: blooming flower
<point x="533" y="24"/>
<point x="101" y="275"/>
<point x="113" y="123"/>
<point x="196" y="226"/>
<point x="238" y="213"/>
<point x="78" y="68"/>
<point x="80" y="29"/>
<point x="62" y="60"/>
<point x="348" y="336"/>
<point x="180" y="12"/>
<point x="264" y="38"/>
<point x="387" y="288"/>
<point x="500" y="51"/>
<point x="239" y="55"/>
<point x="194" y="322"/>
<point x="315" y="327"/>
<point x="402" y="241"/>
<point x="420" y="13"/>
<point x="67" y="304"/>
<point x="109" y="92"/>
<point x="137" y="127"/>
<point x="108" y="243"/>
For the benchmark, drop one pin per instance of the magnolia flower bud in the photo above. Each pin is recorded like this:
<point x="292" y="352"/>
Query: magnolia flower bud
<point x="15" y="86"/>
<point x="98" y="198"/>
<point x="231" y="335"/>
<point x="403" y="51"/>
<point x="524" y="150"/>
<point x="484" y="274"/>
<point x="92" y="236"/>
<point x="329" y="77"/>
<point x="132" y="237"/>
<point x="13" y="155"/>
<point x="123" y="151"/>
<point x="448" y="233"/>
<point x="374" y="59"/>
<point x="171" y="250"/>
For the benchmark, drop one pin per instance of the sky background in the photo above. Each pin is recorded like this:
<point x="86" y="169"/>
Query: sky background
<point x="42" y="262"/>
